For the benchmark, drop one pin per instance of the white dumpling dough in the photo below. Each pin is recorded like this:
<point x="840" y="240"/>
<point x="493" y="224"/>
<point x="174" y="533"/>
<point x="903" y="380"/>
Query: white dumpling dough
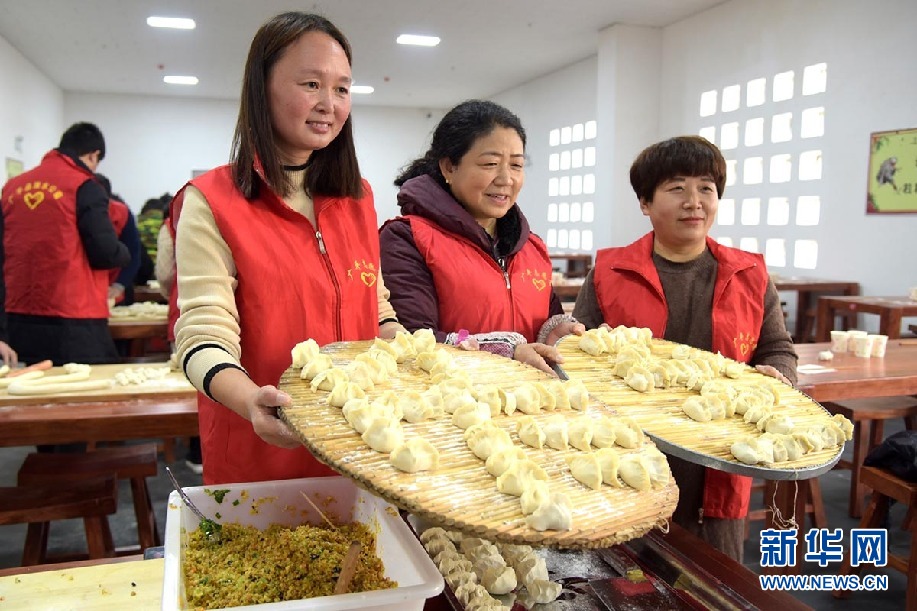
<point x="315" y="366"/>
<point x="586" y="469"/>
<point x="416" y="454"/>
<point x="553" y="515"/>
<point x="303" y="352"/>
<point x="384" y="434"/>
<point x="529" y="432"/>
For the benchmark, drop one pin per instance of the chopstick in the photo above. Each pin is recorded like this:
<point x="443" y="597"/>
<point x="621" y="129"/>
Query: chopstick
<point x="348" y="568"/>
<point x="315" y="507"/>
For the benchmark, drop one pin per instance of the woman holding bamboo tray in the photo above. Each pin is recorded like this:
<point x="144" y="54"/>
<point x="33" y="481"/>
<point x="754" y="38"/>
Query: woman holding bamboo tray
<point x="689" y="289"/>
<point x="462" y="260"/>
<point x="268" y="248"/>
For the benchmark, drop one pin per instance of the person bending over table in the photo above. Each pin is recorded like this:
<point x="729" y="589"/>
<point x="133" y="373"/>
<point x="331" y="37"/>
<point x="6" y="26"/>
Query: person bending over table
<point x="689" y="289"/>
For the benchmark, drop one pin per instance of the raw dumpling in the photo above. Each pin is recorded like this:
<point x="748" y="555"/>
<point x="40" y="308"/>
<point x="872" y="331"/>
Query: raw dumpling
<point x="383" y="434"/>
<point x="424" y="340"/>
<point x="543" y="591"/>
<point x="748" y="400"/>
<point x="303" y="352"/>
<point x="486" y="438"/>
<point x="553" y="515"/>
<point x="776" y="423"/>
<point x="586" y="469"/>
<point x="497" y="580"/>
<point x="500" y="460"/>
<point x="635" y="472"/>
<point x="785" y="447"/>
<point x="658" y="467"/>
<point x="608" y="462"/>
<point x="414" y="407"/>
<point x="845" y="425"/>
<point x="753" y="450"/>
<point x="733" y="369"/>
<point x="507" y="401"/>
<point x="377" y="370"/>
<point x="591" y="342"/>
<point x="603" y="432"/>
<point x="548" y="401"/>
<point x="358" y="414"/>
<point x="315" y="366"/>
<point x="530" y="567"/>
<point x="533" y="497"/>
<point x="682" y="351"/>
<point x="528" y="399"/>
<point x="416" y="454"/>
<point x="809" y="439"/>
<point x="490" y="395"/>
<point x="360" y="374"/>
<point x="432" y="533"/>
<point x="470" y="414"/>
<point x="559" y="390"/>
<point x="518" y="477"/>
<point x="384" y="346"/>
<point x="628" y="433"/>
<point x="529" y="432"/>
<point x="640" y="379"/>
<point x="579" y="432"/>
<point x="328" y="379"/>
<point x="757" y="413"/>
<point x="385" y="358"/>
<point x="452" y="386"/>
<point x="457" y="400"/>
<point x="555" y="432"/>
<point x="344" y="392"/>
<point x="429" y="359"/>
<point x="578" y="395"/>
<point x="696" y="408"/>
<point x="403" y="344"/>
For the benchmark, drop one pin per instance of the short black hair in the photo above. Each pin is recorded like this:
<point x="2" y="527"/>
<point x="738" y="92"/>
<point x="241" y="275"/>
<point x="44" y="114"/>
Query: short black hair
<point x="679" y="156"/>
<point x="83" y="138"/>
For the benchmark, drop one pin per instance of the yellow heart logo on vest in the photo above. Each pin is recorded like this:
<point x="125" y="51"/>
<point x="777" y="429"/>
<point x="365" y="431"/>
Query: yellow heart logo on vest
<point x="33" y="199"/>
<point x="539" y="283"/>
<point x="743" y="348"/>
<point x="368" y="278"/>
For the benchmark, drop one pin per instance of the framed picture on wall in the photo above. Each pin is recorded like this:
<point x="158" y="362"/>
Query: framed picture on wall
<point x="13" y="167"/>
<point x="892" y="172"/>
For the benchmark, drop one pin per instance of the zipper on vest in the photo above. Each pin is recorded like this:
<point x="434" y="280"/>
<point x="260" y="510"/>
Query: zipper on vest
<point x="502" y="263"/>
<point x="700" y="515"/>
<point x="321" y="243"/>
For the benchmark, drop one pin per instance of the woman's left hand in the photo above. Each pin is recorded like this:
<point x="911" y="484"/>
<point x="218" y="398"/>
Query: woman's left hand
<point x="389" y="329"/>
<point x="774" y="373"/>
<point x="539" y="356"/>
<point x="564" y="328"/>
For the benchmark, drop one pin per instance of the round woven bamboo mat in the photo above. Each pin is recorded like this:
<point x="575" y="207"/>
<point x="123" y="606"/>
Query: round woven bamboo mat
<point x="461" y="494"/>
<point x="660" y="415"/>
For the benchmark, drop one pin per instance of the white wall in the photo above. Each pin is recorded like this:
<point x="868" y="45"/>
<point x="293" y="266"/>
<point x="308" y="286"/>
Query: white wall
<point x="870" y="50"/>
<point x="154" y="143"/>
<point x="31" y="109"/>
<point x="555" y="100"/>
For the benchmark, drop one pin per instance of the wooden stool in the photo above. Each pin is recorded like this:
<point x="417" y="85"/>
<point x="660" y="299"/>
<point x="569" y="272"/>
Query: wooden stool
<point x="886" y="486"/>
<point x="133" y="462"/>
<point x="868" y="416"/>
<point x="815" y="507"/>
<point x="38" y="505"/>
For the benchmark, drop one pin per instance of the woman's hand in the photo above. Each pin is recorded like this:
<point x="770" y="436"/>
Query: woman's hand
<point x="389" y="329"/>
<point x="9" y="356"/>
<point x="262" y="411"/>
<point x="538" y="356"/>
<point x="564" y="329"/>
<point x="774" y="373"/>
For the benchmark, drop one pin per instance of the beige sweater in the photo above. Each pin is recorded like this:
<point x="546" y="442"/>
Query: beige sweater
<point x="207" y="281"/>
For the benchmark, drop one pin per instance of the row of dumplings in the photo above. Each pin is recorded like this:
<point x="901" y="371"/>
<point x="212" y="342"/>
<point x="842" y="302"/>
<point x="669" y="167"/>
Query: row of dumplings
<point x="475" y="569"/>
<point x="719" y="400"/>
<point x="792" y="444"/>
<point x="582" y="433"/>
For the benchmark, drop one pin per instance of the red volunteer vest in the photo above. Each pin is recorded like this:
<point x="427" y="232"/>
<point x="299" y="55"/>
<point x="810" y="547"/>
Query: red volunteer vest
<point x="474" y="293"/>
<point x="295" y="281"/>
<point x="630" y="293"/>
<point x="118" y="213"/>
<point x="46" y="269"/>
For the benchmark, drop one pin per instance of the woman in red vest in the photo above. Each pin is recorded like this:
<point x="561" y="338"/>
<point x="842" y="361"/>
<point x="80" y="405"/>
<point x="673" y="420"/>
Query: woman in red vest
<point x="684" y="286"/>
<point x="462" y="260"/>
<point x="268" y="249"/>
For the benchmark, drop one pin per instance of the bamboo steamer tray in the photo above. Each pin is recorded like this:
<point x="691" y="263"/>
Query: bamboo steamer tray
<point x="660" y="415"/>
<point x="461" y="494"/>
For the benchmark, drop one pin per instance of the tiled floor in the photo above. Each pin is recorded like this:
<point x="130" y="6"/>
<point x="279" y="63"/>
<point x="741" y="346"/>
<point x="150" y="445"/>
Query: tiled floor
<point x="834" y="484"/>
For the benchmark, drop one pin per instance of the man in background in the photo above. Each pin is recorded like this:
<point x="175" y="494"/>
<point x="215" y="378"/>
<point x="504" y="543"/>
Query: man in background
<point x="58" y="244"/>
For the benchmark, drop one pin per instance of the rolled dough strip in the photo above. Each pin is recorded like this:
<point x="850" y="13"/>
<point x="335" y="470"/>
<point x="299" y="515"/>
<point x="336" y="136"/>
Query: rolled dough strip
<point x="31" y="375"/>
<point x="76" y="376"/>
<point x="4" y="370"/>
<point x="51" y="388"/>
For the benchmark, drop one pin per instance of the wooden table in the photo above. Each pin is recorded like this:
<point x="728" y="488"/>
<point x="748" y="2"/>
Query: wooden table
<point x="852" y="378"/>
<point x="138" y="331"/>
<point x="119" y="413"/>
<point x="578" y="264"/>
<point x="145" y="293"/>
<point x="568" y="291"/>
<point x="890" y="310"/>
<point x="805" y="289"/>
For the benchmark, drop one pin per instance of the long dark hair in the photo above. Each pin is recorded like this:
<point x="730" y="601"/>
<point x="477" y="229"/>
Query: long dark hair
<point x="332" y="170"/>
<point x="456" y="133"/>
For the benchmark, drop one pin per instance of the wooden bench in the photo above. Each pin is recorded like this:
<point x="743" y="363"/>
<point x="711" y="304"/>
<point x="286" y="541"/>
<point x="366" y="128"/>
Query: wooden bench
<point x="868" y="417"/>
<point x="131" y="462"/>
<point x="886" y="486"/>
<point x="39" y="504"/>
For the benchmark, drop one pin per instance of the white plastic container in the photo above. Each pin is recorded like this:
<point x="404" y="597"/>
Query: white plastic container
<point x="281" y="502"/>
